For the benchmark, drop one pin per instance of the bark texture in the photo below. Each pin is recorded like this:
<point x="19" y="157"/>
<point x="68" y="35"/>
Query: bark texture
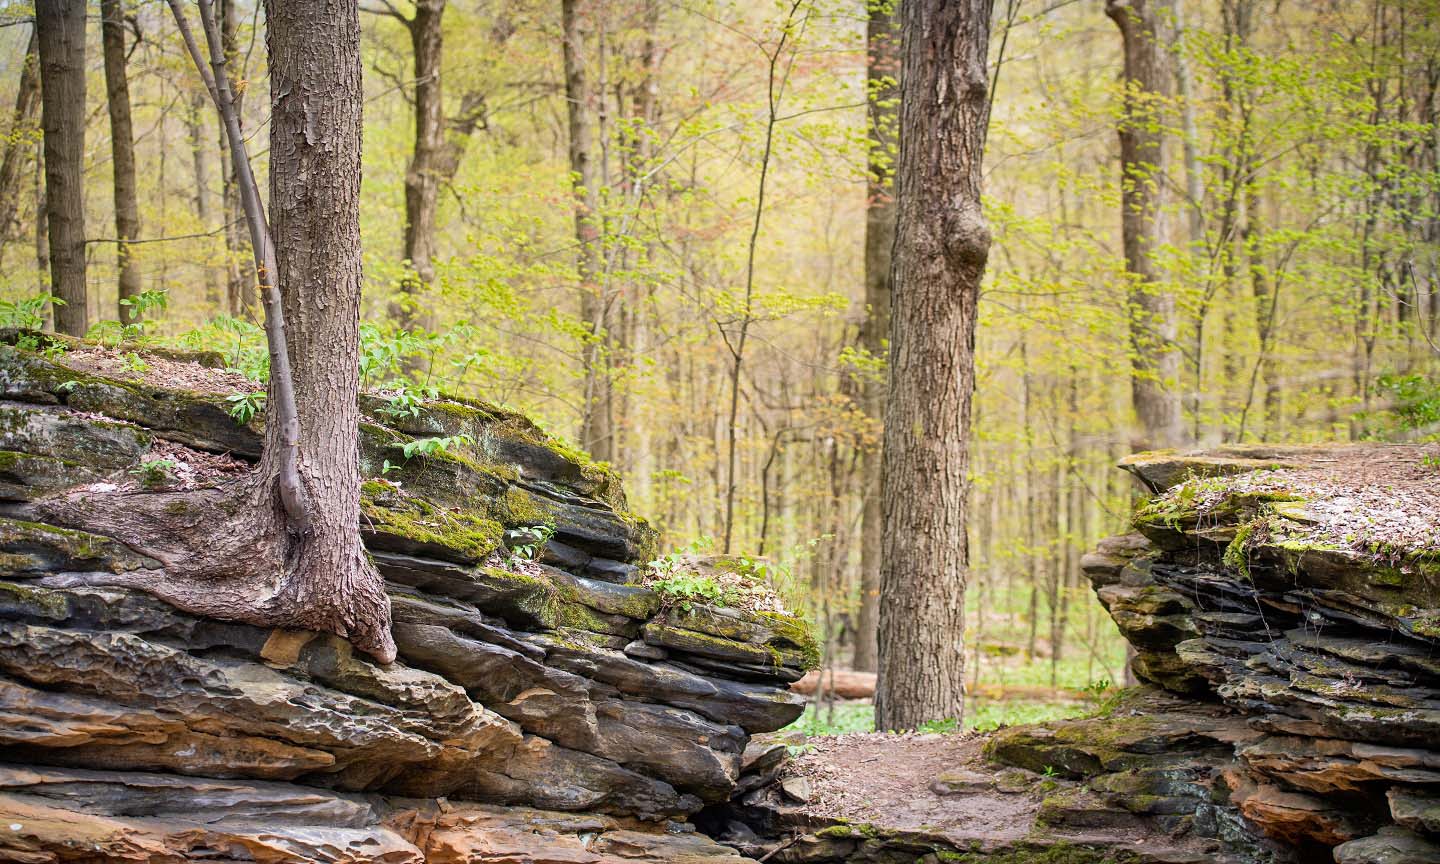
<point x="882" y="42"/>
<point x="18" y="140"/>
<point x="315" y="127"/>
<point x="122" y="146"/>
<point x="941" y="245"/>
<point x="596" y="434"/>
<point x="1156" y="362"/>
<point x="60" y="27"/>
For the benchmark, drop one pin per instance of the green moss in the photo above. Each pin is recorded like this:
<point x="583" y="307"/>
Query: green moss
<point x="466" y="535"/>
<point x="518" y="507"/>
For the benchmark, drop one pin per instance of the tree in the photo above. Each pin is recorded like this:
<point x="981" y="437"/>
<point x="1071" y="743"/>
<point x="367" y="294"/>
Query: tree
<point x="122" y="147"/>
<point x="422" y="176"/>
<point x="282" y="547"/>
<point x="597" y="421"/>
<point x="60" y="30"/>
<point x="882" y="44"/>
<point x="239" y="280"/>
<point x="941" y="245"/>
<point x="18" y="139"/>
<point x="1156" y="363"/>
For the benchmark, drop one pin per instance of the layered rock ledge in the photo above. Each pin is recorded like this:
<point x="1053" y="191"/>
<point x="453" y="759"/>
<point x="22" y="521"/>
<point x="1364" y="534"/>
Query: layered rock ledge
<point x="1283" y="605"/>
<point x="546" y="705"/>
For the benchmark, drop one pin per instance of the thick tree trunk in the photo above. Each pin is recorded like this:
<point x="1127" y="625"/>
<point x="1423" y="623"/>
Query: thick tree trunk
<point x="941" y="244"/>
<point x="422" y="180"/>
<point x="60" y="25"/>
<point x="1142" y="162"/>
<point x="122" y="147"/>
<point x="18" y="140"/>
<point x="882" y="41"/>
<point x="596" y="436"/>
<point x="315" y="133"/>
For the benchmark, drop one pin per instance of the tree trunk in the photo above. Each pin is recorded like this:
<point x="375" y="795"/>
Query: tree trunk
<point x="1142" y="163"/>
<point x="122" y="147"/>
<point x="315" y="134"/>
<point x="422" y="182"/>
<point x="595" y="434"/>
<point x="42" y="236"/>
<point x="239" y="277"/>
<point x="883" y="48"/>
<point x="60" y="25"/>
<point x="27" y="97"/>
<point x="941" y="244"/>
<point x="195" y="126"/>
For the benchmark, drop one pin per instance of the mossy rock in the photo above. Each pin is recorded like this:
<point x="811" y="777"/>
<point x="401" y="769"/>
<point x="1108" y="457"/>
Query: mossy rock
<point x="32" y="549"/>
<point x="783" y="637"/>
<point x="25" y="476"/>
<point x="83" y="444"/>
<point x="405" y="523"/>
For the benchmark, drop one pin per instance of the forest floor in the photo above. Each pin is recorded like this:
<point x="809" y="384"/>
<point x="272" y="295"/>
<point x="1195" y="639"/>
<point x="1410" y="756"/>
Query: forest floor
<point x="941" y="784"/>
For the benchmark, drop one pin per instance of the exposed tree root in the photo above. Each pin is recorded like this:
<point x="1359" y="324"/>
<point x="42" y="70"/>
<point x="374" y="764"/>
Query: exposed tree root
<point x="226" y="553"/>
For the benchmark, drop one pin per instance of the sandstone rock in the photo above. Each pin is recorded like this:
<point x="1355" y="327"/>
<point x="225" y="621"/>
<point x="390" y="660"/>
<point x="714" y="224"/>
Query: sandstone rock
<point x="1416" y="810"/>
<point x="1389" y="846"/>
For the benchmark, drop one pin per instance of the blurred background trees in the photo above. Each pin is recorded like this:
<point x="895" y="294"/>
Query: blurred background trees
<point x="563" y="211"/>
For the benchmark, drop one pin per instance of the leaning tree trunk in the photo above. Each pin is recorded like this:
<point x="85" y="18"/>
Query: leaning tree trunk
<point x="281" y="548"/>
<point x="1156" y="365"/>
<point x="882" y="43"/>
<point x="941" y="244"/>
<point x="596" y="435"/>
<point x="60" y="26"/>
<point x="122" y="146"/>
<point x="18" y="140"/>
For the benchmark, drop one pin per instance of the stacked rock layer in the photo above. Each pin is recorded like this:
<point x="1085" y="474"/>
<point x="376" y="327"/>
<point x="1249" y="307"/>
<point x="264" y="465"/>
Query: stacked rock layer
<point x="545" y="705"/>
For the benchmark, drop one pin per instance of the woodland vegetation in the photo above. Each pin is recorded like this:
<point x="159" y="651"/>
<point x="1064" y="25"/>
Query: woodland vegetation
<point x="664" y="231"/>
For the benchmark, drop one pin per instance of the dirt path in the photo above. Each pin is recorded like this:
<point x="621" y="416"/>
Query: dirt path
<point x="942" y="785"/>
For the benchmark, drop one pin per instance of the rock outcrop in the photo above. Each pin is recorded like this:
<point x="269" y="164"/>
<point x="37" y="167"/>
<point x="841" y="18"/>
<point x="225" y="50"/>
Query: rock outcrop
<point x="546" y="705"/>
<point x="1284" y="608"/>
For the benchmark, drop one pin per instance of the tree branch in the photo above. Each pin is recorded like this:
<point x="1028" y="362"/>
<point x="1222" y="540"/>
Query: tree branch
<point x="282" y="381"/>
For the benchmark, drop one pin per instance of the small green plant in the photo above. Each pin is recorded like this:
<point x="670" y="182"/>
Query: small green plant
<point x="940" y="727"/>
<point x="115" y="333"/>
<point x="133" y="363"/>
<point x="154" y="473"/>
<point x="683" y="590"/>
<point x="1097" y="689"/>
<point x="1431" y="461"/>
<point x="526" y="543"/>
<point x="146" y="302"/>
<point x="406" y="402"/>
<point x="1050" y="771"/>
<point x="27" y="313"/>
<point x="432" y="447"/>
<point x="244" y="406"/>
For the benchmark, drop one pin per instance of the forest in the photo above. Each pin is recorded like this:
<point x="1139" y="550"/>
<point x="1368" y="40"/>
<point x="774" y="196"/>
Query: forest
<point x="709" y="432"/>
<point x="663" y="230"/>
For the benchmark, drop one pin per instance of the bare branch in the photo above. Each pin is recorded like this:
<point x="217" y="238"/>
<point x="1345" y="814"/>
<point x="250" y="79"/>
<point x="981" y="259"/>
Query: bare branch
<point x="282" y="381"/>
